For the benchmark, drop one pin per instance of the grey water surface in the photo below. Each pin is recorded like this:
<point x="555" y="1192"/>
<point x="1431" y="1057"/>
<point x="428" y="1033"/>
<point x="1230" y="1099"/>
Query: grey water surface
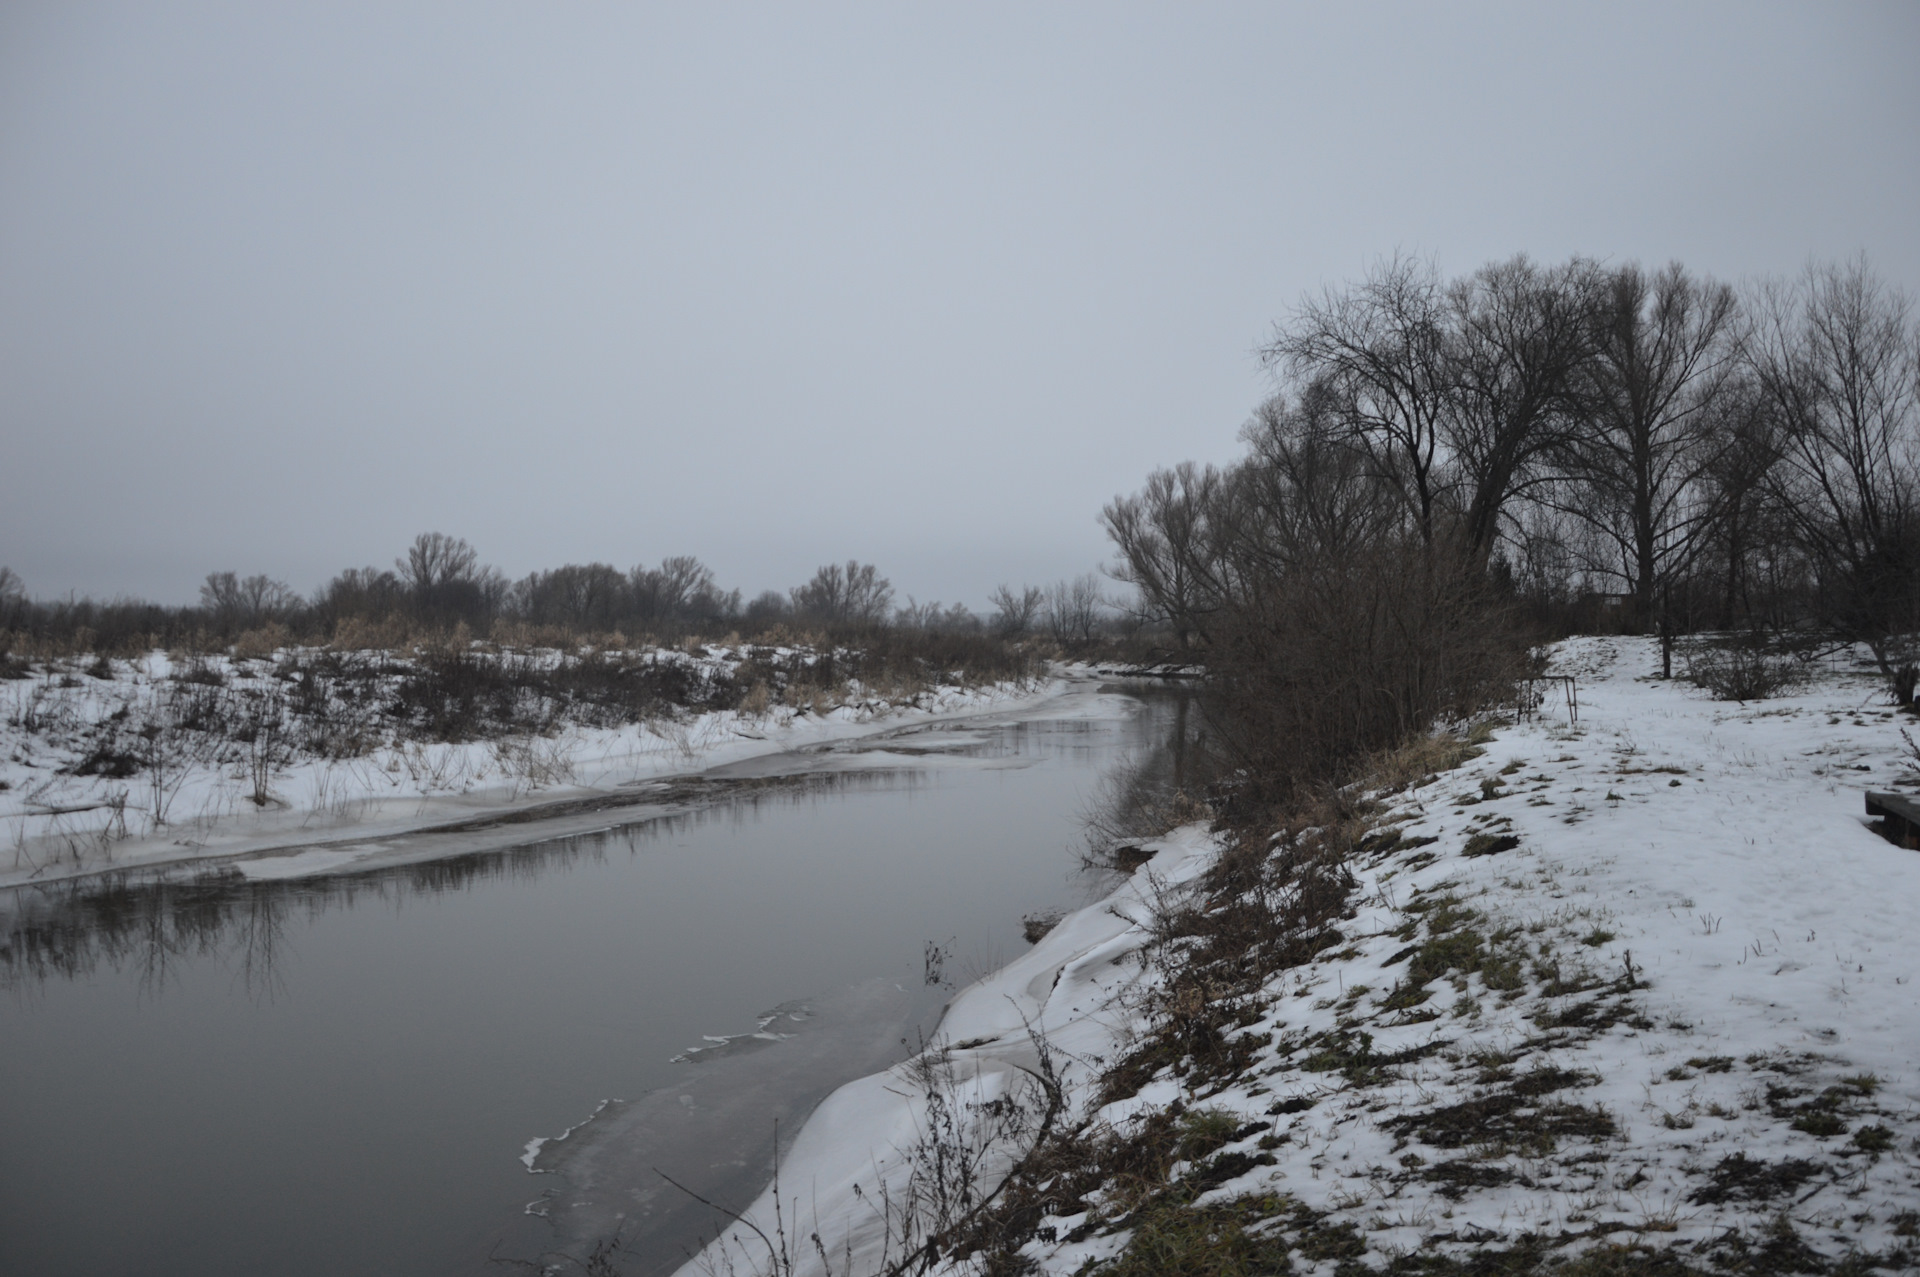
<point x="201" y="1073"/>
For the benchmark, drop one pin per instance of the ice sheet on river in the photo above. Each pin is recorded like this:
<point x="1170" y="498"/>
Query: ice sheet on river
<point x="713" y="1130"/>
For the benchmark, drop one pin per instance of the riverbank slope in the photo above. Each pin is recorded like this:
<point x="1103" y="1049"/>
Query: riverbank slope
<point x="1640" y="988"/>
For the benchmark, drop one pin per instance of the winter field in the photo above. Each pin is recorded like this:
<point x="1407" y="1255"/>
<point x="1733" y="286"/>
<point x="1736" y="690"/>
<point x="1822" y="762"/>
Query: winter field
<point x="1639" y="992"/>
<point x="305" y="760"/>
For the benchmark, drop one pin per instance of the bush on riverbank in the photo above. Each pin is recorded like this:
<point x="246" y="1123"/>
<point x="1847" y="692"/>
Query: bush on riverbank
<point x="1332" y="627"/>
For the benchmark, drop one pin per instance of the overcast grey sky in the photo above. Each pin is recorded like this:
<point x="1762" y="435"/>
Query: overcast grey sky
<point x="281" y="286"/>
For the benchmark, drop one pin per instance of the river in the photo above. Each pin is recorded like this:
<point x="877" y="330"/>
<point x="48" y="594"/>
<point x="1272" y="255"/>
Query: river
<point x="209" y="1073"/>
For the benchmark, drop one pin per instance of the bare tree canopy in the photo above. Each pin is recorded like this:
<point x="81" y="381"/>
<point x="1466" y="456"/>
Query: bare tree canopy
<point x="1384" y="350"/>
<point x="235" y="601"/>
<point x="1013" y="614"/>
<point x="1667" y="349"/>
<point x="436" y="559"/>
<point x="852" y="595"/>
<point x="1838" y="359"/>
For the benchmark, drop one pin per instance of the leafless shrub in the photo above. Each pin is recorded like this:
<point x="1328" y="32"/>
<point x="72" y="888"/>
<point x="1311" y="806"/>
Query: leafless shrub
<point x="1743" y="671"/>
<point x="533" y="762"/>
<point x="263" y="730"/>
<point x="168" y="755"/>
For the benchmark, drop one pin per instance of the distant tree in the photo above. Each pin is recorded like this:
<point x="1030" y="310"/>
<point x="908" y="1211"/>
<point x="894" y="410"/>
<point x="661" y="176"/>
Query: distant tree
<point x="446" y="583"/>
<point x="1013" y="614"/>
<point x="436" y="559"/>
<point x="235" y="602"/>
<point x="932" y="616"/>
<point x="854" y="595"/>
<point x="13" y="599"/>
<point x="590" y="596"/>
<point x="1073" y="609"/>
<point x="681" y="591"/>
<point x="769" y="608"/>
<point x="368" y="593"/>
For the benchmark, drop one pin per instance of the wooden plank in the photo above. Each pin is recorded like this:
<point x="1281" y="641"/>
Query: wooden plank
<point x="1894" y="805"/>
<point x="1899" y="817"/>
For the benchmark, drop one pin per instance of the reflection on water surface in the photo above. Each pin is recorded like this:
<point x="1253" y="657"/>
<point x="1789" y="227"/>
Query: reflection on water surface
<point x="341" y="1072"/>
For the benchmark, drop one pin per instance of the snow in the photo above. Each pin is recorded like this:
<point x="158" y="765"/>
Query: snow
<point x="324" y="814"/>
<point x="1738" y="992"/>
<point x="531" y="1154"/>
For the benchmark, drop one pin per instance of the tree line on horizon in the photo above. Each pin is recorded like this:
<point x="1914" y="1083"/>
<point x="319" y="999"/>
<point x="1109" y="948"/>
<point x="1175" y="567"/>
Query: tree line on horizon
<point x="441" y="583"/>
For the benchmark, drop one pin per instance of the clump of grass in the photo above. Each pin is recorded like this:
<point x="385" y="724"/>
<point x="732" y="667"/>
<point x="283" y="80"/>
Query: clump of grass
<point x="1873" y="1139"/>
<point x="1176" y="1239"/>
<point x="1739" y="1178"/>
<point x="1489" y="844"/>
<point x="1508" y="1120"/>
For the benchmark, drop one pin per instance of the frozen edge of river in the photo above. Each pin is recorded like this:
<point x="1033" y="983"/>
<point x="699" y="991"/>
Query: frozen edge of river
<point x="341" y="818"/>
<point x="1071" y="988"/>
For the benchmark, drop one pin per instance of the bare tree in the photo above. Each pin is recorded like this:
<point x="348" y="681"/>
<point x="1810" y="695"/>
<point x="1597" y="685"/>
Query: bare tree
<point x="13" y="598"/>
<point x="1458" y="396"/>
<point x="1838" y="358"/>
<point x="1013" y="614"/>
<point x="767" y="608"/>
<point x="1161" y="533"/>
<point x="680" y="590"/>
<point x="584" y="596"/>
<point x="1072" y="609"/>
<point x="1385" y="352"/>
<point x="1665" y="349"/>
<point x="362" y="592"/>
<point x="934" y="616"/>
<point x="852" y="595"/>
<point x="436" y="559"/>
<point x="236" y="602"/>
<point x="1523" y="335"/>
<point x="445" y="581"/>
<point x="1332" y="627"/>
<point x="1747" y="553"/>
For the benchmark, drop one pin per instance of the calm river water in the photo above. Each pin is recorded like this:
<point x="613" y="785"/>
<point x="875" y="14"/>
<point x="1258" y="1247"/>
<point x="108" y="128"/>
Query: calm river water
<point x="342" y="1074"/>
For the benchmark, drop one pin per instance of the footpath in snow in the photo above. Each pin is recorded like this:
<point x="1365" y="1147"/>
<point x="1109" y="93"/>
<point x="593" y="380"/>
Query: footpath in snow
<point x="105" y="766"/>
<point x="1645" y="985"/>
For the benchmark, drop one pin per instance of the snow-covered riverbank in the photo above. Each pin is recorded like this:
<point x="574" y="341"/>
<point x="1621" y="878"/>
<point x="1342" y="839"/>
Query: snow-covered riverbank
<point x="102" y="770"/>
<point x="1645" y="982"/>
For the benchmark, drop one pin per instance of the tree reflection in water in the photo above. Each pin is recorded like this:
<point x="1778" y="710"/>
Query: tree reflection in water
<point x="1151" y="791"/>
<point x="153" y="921"/>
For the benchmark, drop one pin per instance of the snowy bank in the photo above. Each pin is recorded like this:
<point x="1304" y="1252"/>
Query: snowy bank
<point x="102" y="768"/>
<point x="1645" y="983"/>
